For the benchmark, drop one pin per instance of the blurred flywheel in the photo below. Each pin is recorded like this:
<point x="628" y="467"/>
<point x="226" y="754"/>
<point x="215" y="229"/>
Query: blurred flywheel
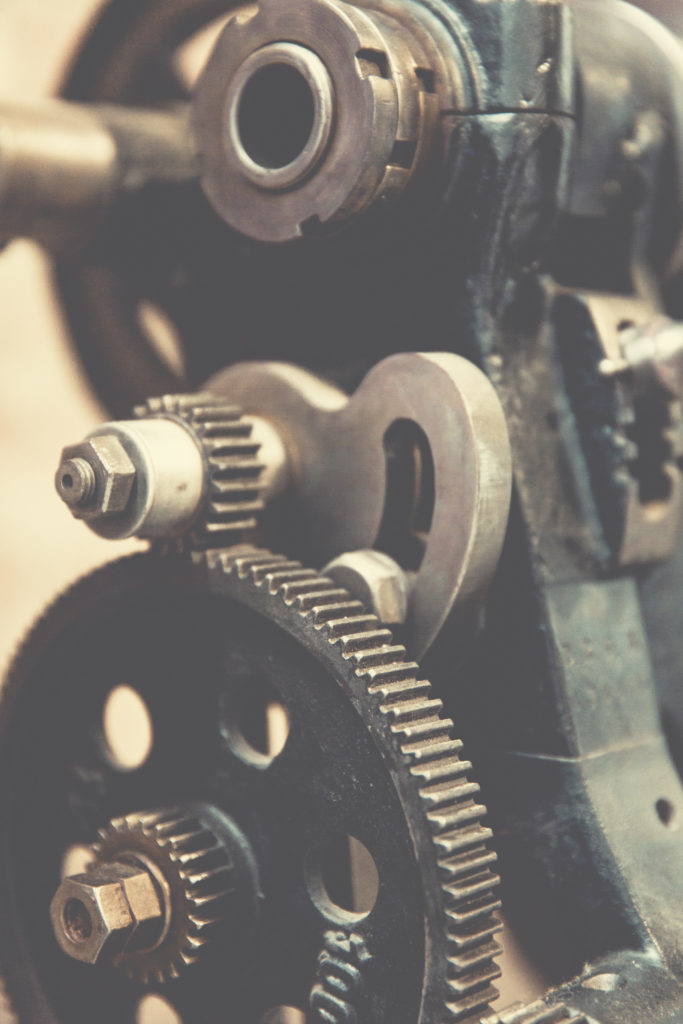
<point x="359" y="759"/>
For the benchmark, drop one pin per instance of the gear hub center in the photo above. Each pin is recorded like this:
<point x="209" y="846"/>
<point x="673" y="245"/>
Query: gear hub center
<point x="161" y="886"/>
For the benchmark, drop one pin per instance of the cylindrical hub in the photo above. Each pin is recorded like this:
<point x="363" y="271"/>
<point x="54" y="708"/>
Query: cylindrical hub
<point x="134" y="478"/>
<point x="308" y="113"/>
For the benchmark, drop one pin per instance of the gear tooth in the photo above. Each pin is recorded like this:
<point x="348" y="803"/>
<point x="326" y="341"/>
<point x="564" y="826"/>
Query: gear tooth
<point x="440" y="770"/>
<point x="342" y="611"/>
<point x="470" y="862"/>
<point x="429" y="748"/>
<point x="408" y="702"/>
<point x="473" y="979"/>
<point x="452" y="791"/>
<point x="451" y="843"/>
<point x="369" y="657"/>
<point x="468" y="1009"/>
<point x="340" y="629"/>
<point x="318" y="599"/>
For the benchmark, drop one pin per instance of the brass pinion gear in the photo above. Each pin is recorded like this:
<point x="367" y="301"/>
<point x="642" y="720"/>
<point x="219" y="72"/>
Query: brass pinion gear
<point x="199" y="875"/>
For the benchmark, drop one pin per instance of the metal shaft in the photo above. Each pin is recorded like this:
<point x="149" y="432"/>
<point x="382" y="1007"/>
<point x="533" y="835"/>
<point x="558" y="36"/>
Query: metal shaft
<point x="62" y="165"/>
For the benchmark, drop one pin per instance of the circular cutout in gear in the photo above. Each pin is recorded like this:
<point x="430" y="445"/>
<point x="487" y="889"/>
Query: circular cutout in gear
<point x="368" y="754"/>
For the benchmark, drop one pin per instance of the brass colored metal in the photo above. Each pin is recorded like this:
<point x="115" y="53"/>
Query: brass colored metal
<point x="109" y="908"/>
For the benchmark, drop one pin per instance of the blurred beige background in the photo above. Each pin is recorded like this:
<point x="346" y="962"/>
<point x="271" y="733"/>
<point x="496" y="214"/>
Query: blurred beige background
<point x="44" y="403"/>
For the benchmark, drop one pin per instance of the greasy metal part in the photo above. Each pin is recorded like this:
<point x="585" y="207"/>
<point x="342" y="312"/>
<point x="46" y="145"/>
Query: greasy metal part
<point x="65" y="165"/>
<point x="620" y="366"/>
<point x="75" y="481"/>
<point x="376" y="580"/>
<point x="558" y="693"/>
<point x="205" y="870"/>
<point x="336" y="304"/>
<point x="341" y="496"/>
<point x="305" y="116"/>
<point x="368" y="754"/>
<point x="149" y="479"/>
<point x="622" y="223"/>
<point x="333" y="465"/>
<point x="95" y="478"/>
<point x="190" y="470"/>
<point x="653" y="353"/>
<point x="111" y="907"/>
<point x="562" y="708"/>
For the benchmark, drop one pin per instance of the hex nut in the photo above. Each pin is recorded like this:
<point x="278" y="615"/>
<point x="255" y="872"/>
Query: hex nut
<point x="96" y="915"/>
<point x="114" y="474"/>
<point x="376" y="580"/>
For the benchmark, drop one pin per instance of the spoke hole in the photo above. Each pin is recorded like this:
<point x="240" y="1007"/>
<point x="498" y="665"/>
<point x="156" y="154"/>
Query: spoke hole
<point x="284" y="1015"/>
<point x="255" y="721"/>
<point x="666" y="812"/>
<point x="155" y="1010"/>
<point x="342" y="878"/>
<point x="276" y="115"/>
<point x="127" y="727"/>
<point x="76" y="860"/>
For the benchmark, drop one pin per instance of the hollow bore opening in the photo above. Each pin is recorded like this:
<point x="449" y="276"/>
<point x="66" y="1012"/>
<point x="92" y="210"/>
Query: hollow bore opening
<point x="127" y="728"/>
<point x="77" y="921"/>
<point x="67" y="481"/>
<point x="343" y="879"/>
<point x="255" y="722"/>
<point x="276" y="115"/>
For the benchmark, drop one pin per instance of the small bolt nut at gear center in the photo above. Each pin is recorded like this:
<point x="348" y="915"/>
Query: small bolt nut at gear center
<point x="95" y="915"/>
<point x="186" y="467"/>
<point x="308" y="113"/>
<point x="163" y="885"/>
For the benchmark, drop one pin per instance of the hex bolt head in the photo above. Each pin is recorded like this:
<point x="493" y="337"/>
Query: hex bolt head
<point x="376" y="580"/>
<point x="112" y="907"/>
<point x="95" y="478"/>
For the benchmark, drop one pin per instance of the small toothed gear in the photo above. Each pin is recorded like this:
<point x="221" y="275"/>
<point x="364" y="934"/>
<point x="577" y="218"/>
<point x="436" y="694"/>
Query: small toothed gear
<point x="232" y="495"/>
<point x="199" y="876"/>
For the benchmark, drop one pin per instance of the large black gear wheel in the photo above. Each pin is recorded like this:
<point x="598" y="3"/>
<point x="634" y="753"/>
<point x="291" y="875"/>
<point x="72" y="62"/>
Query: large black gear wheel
<point x="368" y="754"/>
